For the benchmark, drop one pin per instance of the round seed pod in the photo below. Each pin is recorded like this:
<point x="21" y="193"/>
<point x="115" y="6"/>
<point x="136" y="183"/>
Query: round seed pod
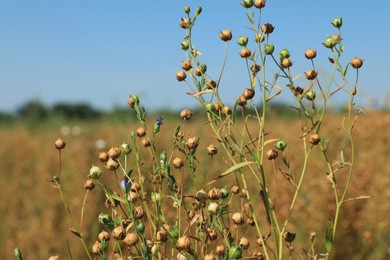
<point x="192" y="142"/>
<point x="214" y="194"/>
<point x="112" y="164"/>
<point x="131" y="102"/>
<point x="272" y="154"/>
<point x="235" y="189"/>
<point x="59" y="144"/>
<point x="289" y="236"/>
<point x="218" y="106"/>
<point x="212" y="150"/>
<point x="238" y="218"/>
<point x="259" y="3"/>
<point x="314" y="139"/>
<point x="186" y="65"/>
<point x="146" y="142"/>
<point x="114" y="152"/>
<point x="103" y="156"/>
<point x="89" y="184"/>
<point x="259" y="37"/>
<point x="96" y="248"/>
<point x="201" y="195"/>
<point x="255" y="68"/>
<point x="185" y="114"/>
<point x="336" y="37"/>
<point x="248" y="93"/>
<point x="220" y="250"/>
<point x="178" y="163"/>
<point x="54" y="257"/>
<point x="138" y="212"/>
<point x="181" y="256"/>
<point x="181" y="75"/>
<point x="161" y="236"/>
<point x="311" y="74"/>
<point x="131" y="239"/>
<point x="141" y="132"/>
<point x="209" y="257"/>
<point x="257" y="255"/>
<point x="119" y="233"/>
<point x="244" y="243"/>
<point x="286" y="63"/>
<point x="212" y="233"/>
<point x="183" y="243"/>
<point x="227" y="110"/>
<point x="245" y="52"/>
<point x="211" y="84"/>
<point x="104" y="235"/>
<point x="357" y="63"/>
<point x="267" y="28"/>
<point x="241" y="101"/>
<point x="225" y="35"/>
<point x="310" y="54"/>
<point x="185" y="23"/>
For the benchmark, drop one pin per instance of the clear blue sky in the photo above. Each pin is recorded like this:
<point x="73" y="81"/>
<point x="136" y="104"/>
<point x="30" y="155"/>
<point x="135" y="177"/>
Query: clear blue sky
<point x="99" y="51"/>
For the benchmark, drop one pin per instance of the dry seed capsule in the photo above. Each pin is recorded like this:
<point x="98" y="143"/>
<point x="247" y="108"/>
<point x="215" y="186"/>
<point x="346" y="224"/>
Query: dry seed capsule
<point x="131" y="239"/>
<point x="95" y="172"/>
<point x="103" y="156"/>
<point x="244" y="243"/>
<point x="112" y="164"/>
<point x="211" y="84"/>
<point x="114" y="152"/>
<point x="227" y="110"/>
<point x="119" y="233"/>
<point x="218" y="106"/>
<point x="178" y="163"/>
<point x="201" y="196"/>
<point x="135" y="187"/>
<point x="96" y="248"/>
<point x="220" y="250"/>
<point x="259" y="37"/>
<point x="241" y="101"/>
<point x="267" y="28"/>
<point x="141" y="132"/>
<point x="212" y="209"/>
<point x="209" y="257"/>
<point x="89" y="184"/>
<point x="255" y="68"/>
<point x="104" y="235"/>
<point x="146" y="142"/>
<point x="286" y="63"/>
<point x="186" y="65"/>
<point x="138" y="212"/>
<point x="357" y="63"/>
<point x="245" y="53"/>
<point x="214" y="194"/>
<point x="192" y="142"/>
<point x="272" y="154"/>
<point x="212" y="233"/>
<point x="183" y="243"/>
<point x="313" y="236"/>
<point x="310" y="54"/>
<point x="259" y="3"/>
<point x="131" y="102"/>
<point x="185" y="23"/>
<point x="248" y="93"/>
<point x="212" y="150"/>
<point x="59" y="144"/>
<point x="181" y="75"/>
<point x="289" y="236"/>
<point x="161" y="236"/>
<point x="181" y="256"/>
<point x="238" y="218"/>
<point x="258" y="255"/>
<point x="336" y="37"/>
<point x="311" y="74"/>
<point x="235" y="189"/>
<point x="314" y="139"/>
<point x="225" y="35"/>
<point x="185" y="114"/>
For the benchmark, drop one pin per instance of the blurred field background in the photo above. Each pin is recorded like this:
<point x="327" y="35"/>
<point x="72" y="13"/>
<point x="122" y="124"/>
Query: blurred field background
<point x="34" y="219"/>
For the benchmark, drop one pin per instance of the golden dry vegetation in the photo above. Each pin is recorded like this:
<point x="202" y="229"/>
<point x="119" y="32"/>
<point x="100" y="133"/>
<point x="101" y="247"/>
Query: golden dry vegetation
<point x="34" y="219"/>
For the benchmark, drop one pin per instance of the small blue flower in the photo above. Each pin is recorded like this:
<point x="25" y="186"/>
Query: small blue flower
<point x="125" y="184"/>
<point x="159" y="121"/>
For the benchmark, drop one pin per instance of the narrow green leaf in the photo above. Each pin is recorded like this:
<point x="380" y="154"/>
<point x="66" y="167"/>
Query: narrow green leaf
<point x="329" y="236"/>
<point x="230" y="170"/>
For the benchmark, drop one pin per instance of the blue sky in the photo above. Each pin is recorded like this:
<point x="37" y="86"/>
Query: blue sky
<point x="99" y="51"/>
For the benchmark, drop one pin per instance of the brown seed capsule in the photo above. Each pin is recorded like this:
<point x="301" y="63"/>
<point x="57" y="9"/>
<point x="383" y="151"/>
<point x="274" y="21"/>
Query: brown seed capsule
<point x="235" y="189"/>
<point x="257" y="255"/>
<point x="314" y="139"/>
<point x="227" y="110"/>
<point x="201" y="196"/>
<point x="146" y="142"/>
<point x="259" y="37"/>
<point x="186" y="65"/>
<point x="311" y="74"/>
<point x="245" y="52"/>
<point x="149" y="243"/>
<point x="114" y="152"/>
<point x="255" y="68"/>
<point x="59" y="144"/>
<point x="183" y="243"/>
<point x="96" y="248"/>
<point x="238" y="218"/>
<point x="259" y="3"/>
<point x="178" y="163"/>
<point x="214" y="194"/>
<point x="211" y="84"/>
<point x="135" y="187"/>
<point x="267" y="28"/>
<point x="185" y="23"/>
<point x="103" y="156"/>
<point x="310" y="54"/>
<point x="218" y="106"/>
<point x="181" y="75"/>
<point x="248" y="93"/>
<point x="298" y="91"/>
<point x="198" y="71"/>
<point x="241" y="101"/>
<point x="336" y="37"/>
<point x="225" y="35"/>
<point x="112" y="164"/>
<point x="286" y="63"/>
<point x="138" y="212"/>
<point x="244" y="243"/>
<point x="212" y="150"/>
<point x="89" y="184"/>
<point x="131" y="239"/>
<point x="289" y="236"/>
<point x="104" y="235"/>
<point x="220" y="250"/>
<point x="185" y="114"/>
<point x="191" y="214"/>
<point x="161" y="236"/>
<point x="209" y="257"/>
<point x="212" y="233"/>
<point x="133" y="196"/>
<point x="131" y="102"/>
<point x="272" y="154"/>
<point x="313" y="236"/>
<point x="356" y="63"/>
<point x="119" y="233"/>
<point x="141" y="132"/>
<point x="192" y="142"/>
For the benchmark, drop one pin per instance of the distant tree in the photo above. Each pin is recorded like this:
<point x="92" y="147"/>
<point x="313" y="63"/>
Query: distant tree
<point x="76" y="111"/>
<point x="34" y="110"/>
